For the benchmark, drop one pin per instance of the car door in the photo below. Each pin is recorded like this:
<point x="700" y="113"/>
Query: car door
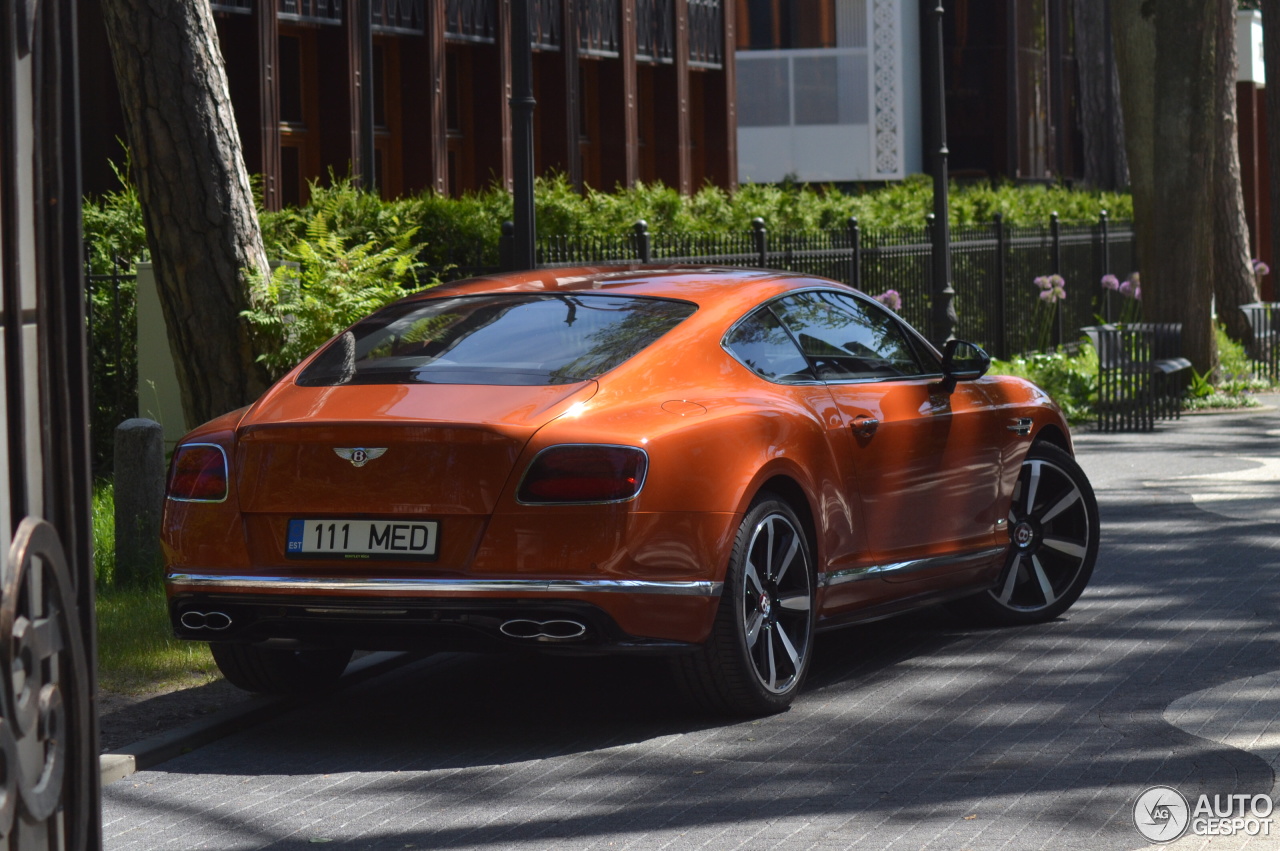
<point x="926" y="462"/>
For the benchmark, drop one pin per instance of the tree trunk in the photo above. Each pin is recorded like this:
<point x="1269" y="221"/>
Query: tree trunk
<point x="1271" y="47"/>
<point x="1169" y="122"/>
<point x="1233" y="280"/>
<point x="202" y="227"/>
<point x="1101" y="127"/>
<point x="1179" y="286"/>
<point x="1135" y="49"/>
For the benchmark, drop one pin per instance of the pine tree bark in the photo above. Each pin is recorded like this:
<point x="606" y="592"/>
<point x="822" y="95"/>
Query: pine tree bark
<point x="1101" y="124"/>
<point x="202" y="227"/>
<point x="1134" y="36"/>
<point x="1170" y="133"/>
<point x="1178" y="286"/>
<point x="1271" y="47"/>
<point x="1233" y="280"/>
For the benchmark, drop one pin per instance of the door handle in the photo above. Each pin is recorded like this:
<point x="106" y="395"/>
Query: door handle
<point x="864" y="426"/>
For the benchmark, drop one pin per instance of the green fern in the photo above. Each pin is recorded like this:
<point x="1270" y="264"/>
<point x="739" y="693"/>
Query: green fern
<point x="330" y="278"/>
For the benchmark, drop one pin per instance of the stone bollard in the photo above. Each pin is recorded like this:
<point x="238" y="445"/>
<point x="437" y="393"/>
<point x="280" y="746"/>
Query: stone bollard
<point x="139" y="496"/>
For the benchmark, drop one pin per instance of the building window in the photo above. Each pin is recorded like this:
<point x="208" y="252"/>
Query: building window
<point x="299" y="103"/>
<point x="786" y="24"/>
<point x="290" y="71"/>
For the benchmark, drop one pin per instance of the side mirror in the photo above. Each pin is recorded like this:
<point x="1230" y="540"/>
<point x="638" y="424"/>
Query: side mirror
<point x="963" y="361"/>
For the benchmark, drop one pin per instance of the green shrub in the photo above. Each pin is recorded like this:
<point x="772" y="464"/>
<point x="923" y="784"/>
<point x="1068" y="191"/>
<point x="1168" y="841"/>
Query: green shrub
<point x="1071" y="378"/>
<point x="115" y="240"/>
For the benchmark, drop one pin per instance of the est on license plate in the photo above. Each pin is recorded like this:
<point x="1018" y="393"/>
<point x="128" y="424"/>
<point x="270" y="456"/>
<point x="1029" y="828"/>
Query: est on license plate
<point x="362" y="539"/>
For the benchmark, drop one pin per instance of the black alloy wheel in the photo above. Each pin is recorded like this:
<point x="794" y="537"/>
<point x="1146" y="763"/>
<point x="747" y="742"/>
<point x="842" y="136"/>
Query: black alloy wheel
<point x="1053" y="532"/>
<point x="758" y="653"/>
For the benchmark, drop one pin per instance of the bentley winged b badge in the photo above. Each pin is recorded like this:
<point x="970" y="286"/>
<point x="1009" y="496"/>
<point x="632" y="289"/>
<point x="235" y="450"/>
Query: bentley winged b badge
<point x="359" y="456"/>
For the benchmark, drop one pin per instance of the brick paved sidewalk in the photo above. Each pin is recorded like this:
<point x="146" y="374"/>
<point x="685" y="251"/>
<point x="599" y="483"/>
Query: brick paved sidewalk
<point x="912" y="733"/>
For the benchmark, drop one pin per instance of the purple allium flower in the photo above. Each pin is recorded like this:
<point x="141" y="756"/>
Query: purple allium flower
<point x="1110" y="282"/>
<point x="1132" y="287"/>
<point x="1052" y="287"/>
<point x="891" y="299"/>
<point x="1259" y="268"/>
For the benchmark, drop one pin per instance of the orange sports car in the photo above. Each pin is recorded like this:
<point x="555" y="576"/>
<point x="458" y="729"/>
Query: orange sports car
<point x="712" y="464"/>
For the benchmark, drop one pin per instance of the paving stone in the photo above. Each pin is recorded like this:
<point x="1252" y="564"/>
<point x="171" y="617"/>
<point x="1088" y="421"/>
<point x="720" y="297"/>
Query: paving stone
<point x="914" y="733"/>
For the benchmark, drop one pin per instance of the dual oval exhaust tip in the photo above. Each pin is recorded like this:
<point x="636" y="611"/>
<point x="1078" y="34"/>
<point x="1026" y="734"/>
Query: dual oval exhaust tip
<point x="212" y="621"/>
<point x="551" y="630"/>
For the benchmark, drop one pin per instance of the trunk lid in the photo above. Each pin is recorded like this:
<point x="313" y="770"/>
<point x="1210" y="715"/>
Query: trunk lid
<point x="447" y="449"/>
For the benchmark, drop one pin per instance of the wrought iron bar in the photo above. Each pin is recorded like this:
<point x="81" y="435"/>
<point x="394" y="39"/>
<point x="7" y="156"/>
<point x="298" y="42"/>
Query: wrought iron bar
<point x="1103" y="228"/>
<point x="855" y="256"/>
<point x="644" y="246"/>
<point x="311" y="11"/>
<point x="598" y="30"/>
<point x="545" y="24"/>
<point x="1055" y="233"/>
<point x="403" y="17"/>
<point x="235" y="7"/>
<point x="655" y="31"/>
<point x="760" y="236"/>
<point x="1002" y="289"/>
<point x="471" y="20"/>
<point x="706" y="33"/>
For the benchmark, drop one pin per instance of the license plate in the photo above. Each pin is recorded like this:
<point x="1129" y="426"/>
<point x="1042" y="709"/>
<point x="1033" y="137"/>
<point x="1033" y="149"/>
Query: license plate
<point x="362" y="539"/>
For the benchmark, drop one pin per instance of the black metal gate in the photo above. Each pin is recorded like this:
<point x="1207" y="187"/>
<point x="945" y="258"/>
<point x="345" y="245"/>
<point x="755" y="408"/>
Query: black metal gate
<point x="49" y="795"/>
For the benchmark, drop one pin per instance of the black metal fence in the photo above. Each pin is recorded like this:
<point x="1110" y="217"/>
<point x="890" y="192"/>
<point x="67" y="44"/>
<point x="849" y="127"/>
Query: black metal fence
<point x="994" y="268"/>
<point x="993" y="271"/>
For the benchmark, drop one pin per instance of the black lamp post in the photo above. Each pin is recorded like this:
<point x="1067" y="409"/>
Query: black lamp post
<point x="363" y="11"/>
<point x="944" y="310"/>
<point x="522" y="104"/>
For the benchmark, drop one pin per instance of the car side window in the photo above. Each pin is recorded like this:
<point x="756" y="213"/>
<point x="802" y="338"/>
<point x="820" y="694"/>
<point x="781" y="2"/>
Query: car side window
<point x="761" y="344"/>
<point x="847" y="340"/>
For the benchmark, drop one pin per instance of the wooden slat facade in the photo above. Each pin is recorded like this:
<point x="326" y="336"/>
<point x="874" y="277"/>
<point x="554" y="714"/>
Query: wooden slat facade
<point x="607" y="112"/>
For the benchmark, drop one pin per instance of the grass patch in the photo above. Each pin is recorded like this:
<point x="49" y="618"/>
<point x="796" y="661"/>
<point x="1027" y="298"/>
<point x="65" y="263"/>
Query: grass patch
<point x="103" y="519"/>
<point x="137" y="652"/>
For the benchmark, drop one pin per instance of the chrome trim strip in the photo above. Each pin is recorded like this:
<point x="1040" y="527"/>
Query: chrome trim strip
<point x="855" y="574"/>
<point x="384" y="584"/>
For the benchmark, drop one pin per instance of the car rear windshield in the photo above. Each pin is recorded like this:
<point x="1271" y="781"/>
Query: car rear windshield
<point x="524" y="339"/>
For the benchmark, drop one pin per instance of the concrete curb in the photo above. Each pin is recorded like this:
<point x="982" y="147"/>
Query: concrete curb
<point x="151" y="751"/>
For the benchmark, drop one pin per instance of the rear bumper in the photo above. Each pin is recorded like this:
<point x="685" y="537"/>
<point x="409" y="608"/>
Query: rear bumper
<point x="570" y="616"/>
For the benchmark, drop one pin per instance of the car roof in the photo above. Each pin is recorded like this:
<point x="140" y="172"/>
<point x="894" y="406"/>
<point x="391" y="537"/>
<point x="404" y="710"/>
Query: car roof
<point x="702" y="285"/>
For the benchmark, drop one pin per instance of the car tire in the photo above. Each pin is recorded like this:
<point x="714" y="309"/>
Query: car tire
<point x="275" y="671"/>
<point x="1053" y="532"/>
<point x="756" y="659"/>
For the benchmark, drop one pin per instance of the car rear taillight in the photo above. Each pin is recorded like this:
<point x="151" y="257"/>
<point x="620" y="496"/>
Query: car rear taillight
<point x="584" y="473"/>
<point x="198" y="473"/>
